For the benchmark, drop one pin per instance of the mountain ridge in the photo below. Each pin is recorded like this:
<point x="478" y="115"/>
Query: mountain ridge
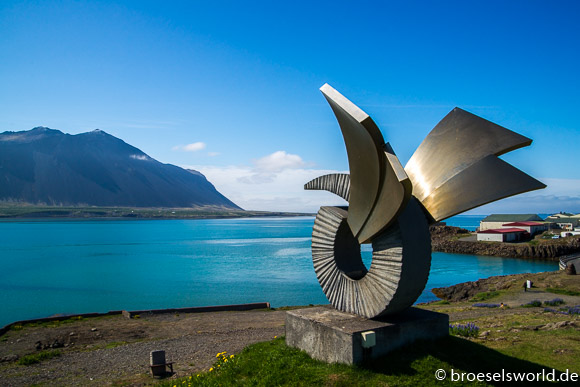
<point x="47" y="166"/>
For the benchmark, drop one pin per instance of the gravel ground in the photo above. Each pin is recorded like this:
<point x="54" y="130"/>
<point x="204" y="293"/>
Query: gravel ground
<point x="114" y="350"/>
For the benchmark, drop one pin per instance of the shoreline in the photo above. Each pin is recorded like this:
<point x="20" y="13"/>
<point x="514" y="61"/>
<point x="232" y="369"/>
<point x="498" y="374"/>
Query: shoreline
<point x="449" y="239"/>
<point x="11" y="212"/>
<point x="465" y="289"/>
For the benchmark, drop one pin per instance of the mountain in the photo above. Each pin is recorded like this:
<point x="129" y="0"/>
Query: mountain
<point x="47" y="166"/>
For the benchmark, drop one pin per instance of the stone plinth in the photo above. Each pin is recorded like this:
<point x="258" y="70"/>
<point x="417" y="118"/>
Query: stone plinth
<point x="337" y="337"/>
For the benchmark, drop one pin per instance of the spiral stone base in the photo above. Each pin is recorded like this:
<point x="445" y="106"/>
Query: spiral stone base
<point x="399" y="269"/>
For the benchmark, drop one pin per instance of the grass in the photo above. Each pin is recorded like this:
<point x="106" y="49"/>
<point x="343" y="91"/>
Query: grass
<point x="483" y="296"/>
<point x="274" y="363"/>
<point x="440" y="302"/>
<point x="565" y="292"/>
<point x="114" y="344"/>
<point x="37" y="357"/>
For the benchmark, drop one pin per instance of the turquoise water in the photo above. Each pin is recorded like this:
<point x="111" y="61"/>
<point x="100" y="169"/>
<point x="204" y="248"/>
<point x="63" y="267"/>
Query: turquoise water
<point x="64" y="267"/>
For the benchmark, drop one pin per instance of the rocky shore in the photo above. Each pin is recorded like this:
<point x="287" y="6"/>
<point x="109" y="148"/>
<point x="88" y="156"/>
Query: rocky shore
<point x="514" y="283"/>
<point x="448" y="239"/>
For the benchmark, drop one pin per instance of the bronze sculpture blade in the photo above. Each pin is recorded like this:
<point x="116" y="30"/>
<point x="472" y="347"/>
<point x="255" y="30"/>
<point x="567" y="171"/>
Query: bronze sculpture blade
<point x="487" y="180"/>
<point x="396" y="191"/>
<point x="378" y="188"/>
<point x="456" y="143"/>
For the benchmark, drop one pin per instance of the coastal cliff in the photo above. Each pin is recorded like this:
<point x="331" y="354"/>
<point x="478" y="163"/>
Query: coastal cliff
<point x="448" y="239"/>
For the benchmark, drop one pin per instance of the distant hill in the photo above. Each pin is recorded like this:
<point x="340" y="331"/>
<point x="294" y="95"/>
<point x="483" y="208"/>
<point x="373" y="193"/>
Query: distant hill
<point x="46" y="166"/>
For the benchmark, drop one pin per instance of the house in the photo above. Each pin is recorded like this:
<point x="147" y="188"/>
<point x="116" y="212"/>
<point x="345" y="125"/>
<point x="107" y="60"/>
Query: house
<point x="496" y="221"/>
<point x="502" y="235"/>
<point x="565" y="221"/>
<point x="532" y="228"/>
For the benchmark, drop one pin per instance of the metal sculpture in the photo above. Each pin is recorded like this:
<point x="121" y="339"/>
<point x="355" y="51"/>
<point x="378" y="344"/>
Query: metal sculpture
<point x="456" y="168"/>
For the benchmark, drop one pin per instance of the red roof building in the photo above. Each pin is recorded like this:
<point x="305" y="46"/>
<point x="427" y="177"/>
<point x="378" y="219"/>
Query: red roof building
<point x="502" y="234"/>
<point x="532" y="227"/>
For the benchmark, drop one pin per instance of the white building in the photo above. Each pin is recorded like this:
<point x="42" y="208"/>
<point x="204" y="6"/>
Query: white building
<point x="532" y="228"/>
<point x="502" y="235"/>
<point x="496" y="221"/>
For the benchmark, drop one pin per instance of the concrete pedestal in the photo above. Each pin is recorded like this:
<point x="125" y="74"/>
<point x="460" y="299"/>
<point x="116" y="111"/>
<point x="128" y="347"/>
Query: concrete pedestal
<point x="337" y="337"/>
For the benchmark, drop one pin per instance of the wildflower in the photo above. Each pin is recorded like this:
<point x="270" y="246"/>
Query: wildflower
<point x="211" y="369"/>
<point x="225" y="359"/>
<point x="231" y="356"/>
<point x="275" y="337"/>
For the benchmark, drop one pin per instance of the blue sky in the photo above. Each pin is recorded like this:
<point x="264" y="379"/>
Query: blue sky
<point x="231" y="88"/>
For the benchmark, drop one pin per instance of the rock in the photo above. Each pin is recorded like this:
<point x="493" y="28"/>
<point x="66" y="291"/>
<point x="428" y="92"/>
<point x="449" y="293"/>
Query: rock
<point x="557" y="325"/>
<point x="7" y="358"/>
<point x="94" y="329"/>
<point x="570" y="269"/>
<point x="38" y="345"/>
<point x="484" y="333"/>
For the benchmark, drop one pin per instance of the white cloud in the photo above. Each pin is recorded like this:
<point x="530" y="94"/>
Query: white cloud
<point x="277" y="191"/>
<point x="213" y="154"/>
<point x="279" y="161"/>
<point x="193" y="147"/>
<point x="278" y="186"/>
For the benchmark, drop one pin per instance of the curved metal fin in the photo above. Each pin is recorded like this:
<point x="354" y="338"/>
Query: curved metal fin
<point x="459" y="141"/>
<point x="374" y="181"/>
<point x="487" y="180"/>
<point x="337" y="183"/>
<point x="396" y="189"/>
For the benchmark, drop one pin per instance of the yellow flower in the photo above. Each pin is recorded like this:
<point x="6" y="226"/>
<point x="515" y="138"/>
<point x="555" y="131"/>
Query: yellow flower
<point x="275" y="337"/>
<point x="225" y="359"/>
<point x="211" y="369"/>
<point x="231" y="356"/>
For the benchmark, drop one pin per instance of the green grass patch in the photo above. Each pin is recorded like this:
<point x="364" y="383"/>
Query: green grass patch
<point x="565" y="292"/>
<point x="114" y="344"/>
<point x="440" y="302"/>
<point x="37" y="357"/>
<point x="274" y="363"/>
<point x="483" y="296"/>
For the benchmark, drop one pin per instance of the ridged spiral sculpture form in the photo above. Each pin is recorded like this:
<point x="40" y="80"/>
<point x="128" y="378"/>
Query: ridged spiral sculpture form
<point x="456" y="168"/>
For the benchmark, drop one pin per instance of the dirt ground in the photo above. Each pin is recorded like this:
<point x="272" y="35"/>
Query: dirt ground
<point x="98" y="351"/>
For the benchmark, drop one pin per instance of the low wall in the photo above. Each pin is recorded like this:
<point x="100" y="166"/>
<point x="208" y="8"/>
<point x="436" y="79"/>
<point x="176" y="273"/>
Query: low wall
<point x="130" y="314"/>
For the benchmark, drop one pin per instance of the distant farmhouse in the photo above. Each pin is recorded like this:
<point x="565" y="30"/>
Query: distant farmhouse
<point x="510" y="227"/>
<point x="569" y="223"/>
<point x="564" y="220"/>
<point x="496" y="221"/>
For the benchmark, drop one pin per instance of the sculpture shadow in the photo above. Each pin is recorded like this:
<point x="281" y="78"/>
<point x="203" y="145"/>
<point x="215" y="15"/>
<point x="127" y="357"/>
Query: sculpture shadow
<point x="460" y="354"/>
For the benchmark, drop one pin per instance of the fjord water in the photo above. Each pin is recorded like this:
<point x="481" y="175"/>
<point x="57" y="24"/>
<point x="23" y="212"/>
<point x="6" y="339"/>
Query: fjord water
<point x="78" y="266"/>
